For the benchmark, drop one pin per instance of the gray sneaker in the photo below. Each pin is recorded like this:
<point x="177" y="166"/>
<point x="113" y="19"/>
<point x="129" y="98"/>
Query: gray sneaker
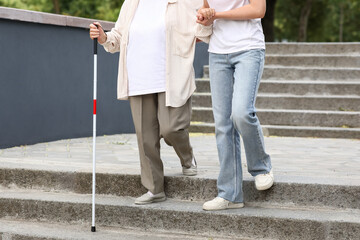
<point x="147" y="198"/>
<point x="191" y="171"/>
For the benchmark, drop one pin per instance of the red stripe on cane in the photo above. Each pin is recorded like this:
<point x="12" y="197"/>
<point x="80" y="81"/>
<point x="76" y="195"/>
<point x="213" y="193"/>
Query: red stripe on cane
<point x="94" y="107"/>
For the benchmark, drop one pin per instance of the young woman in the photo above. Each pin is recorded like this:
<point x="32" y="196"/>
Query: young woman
<point x="156" y="74"/>
<point x="237" y="51"/>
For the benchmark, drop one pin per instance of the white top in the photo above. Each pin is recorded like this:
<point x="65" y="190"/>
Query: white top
<point x="146" y="51"/>
<point x="231" y="36"/>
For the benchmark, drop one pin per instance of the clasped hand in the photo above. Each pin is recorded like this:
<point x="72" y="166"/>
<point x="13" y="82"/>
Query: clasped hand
<point x="206" y="16"/>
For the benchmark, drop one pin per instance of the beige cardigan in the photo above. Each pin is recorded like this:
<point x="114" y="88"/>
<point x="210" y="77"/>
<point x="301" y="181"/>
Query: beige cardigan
<point x="181" y="34"/>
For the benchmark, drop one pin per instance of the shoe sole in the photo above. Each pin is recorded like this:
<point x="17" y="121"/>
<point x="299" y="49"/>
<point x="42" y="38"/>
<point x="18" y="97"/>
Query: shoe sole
<point x="152" y="201"/>
<point x="190" y="174"/>
<point x="233" y="206"/>
<point x="266" y="187"/>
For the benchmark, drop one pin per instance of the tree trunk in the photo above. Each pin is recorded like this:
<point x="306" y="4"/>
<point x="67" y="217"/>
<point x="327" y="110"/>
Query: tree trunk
<point x="268" y="21"/>
<point x="56" y="6"/>
<point x="304" y="18"/>
<point x="341" y="23"/>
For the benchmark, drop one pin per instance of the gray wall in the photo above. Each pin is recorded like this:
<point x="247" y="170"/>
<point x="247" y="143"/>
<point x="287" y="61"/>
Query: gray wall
<point x="201" y="58"/>
<point x="46" y="75"/>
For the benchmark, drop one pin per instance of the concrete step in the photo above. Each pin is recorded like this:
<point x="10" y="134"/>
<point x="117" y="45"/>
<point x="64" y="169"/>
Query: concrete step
<point x="305" y="131"/>
<point x="302" y="87"/>
<point x="310" y="87"/>
<point x="308" y="102"/>
<point x="274" y="72"/>
<point x="289" y="131"/>
<point x="292" y="117"/>
<point x="253" y="221"/>
<point x="31" y="230"/>
<point x="202" y="85"/>
<point x="313" y="48"/>
<point x="286" y="73"/>
<point x="331" y="61"/>
<point x="289" y="101"/>
<point x="285" y="191"/>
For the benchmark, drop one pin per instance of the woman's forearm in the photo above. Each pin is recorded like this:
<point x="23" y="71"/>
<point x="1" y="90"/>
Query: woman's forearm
<point x="206" y="4"/>
<point x="256" y="9"/>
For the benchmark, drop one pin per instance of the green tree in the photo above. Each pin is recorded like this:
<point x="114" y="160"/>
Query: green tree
<point x="56" y="6"/>
<point x="99" y="9"/>
<point x="268" y="21"/>
<point x="304" y="19"/>
<point x="328" y="20"/>
<point x="35" y="5"/>
<point x="342" y="23"/>
<point x="285" y="20"/>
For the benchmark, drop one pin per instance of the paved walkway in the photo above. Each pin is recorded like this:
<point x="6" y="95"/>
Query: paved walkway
<point x="331" y="161"/>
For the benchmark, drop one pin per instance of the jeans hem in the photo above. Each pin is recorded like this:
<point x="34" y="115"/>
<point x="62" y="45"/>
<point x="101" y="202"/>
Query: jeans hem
<point x="261" y="172"/>
<point x="228" y="199"/>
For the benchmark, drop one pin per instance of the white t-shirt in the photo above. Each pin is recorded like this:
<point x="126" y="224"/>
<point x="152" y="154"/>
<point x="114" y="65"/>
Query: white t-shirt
<point x="231" y="36"/>
<point x="146" y="51"/>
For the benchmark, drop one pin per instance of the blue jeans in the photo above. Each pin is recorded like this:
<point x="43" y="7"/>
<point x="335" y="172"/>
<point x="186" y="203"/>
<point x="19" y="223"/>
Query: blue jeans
<point x="234" y="82"/>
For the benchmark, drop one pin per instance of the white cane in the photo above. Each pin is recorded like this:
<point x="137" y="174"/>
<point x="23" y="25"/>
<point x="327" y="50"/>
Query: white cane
<point x="93" y="229"/>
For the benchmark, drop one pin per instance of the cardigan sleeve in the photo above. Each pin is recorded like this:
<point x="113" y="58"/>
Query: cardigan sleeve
<point x="112" y="43"/>
<point x="114" y="37"/>
<point x="203" y="32"/>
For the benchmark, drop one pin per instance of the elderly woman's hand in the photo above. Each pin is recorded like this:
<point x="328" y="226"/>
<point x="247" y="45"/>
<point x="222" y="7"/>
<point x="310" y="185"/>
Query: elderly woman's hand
<point x="96" y="31"/>
<point x="206" y="16"/>
<point x="205" y="13"/>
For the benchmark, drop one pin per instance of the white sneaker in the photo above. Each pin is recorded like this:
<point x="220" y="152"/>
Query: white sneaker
<point x="219" y="203"/>
<point x="191" y="171"/>
<point x="150" y="198"/>
<point x="264" y="181"/>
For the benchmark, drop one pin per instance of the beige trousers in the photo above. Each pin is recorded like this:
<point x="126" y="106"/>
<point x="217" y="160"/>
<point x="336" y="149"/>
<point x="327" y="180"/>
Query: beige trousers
<point x="153" y="120"/>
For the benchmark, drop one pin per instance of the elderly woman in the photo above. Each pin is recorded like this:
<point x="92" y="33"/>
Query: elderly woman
<point x="156" y="40"/>
<point x="237" y="50"/>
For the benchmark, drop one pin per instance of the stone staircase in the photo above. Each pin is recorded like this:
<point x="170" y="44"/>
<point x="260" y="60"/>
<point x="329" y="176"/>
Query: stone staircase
<point x="39" y="204"/>
<point x="50" y="198"/>
<point x="307" y="90"/>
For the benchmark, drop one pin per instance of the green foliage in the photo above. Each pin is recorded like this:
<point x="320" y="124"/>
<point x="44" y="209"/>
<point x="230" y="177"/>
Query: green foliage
<point x="324" y="20"/>
<point x="98" y="9"/>
<point x="287" y="14"/>
<point x="351" y="24"/>
<point x="35" y="5"/>
<point x="323" y="26"/>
